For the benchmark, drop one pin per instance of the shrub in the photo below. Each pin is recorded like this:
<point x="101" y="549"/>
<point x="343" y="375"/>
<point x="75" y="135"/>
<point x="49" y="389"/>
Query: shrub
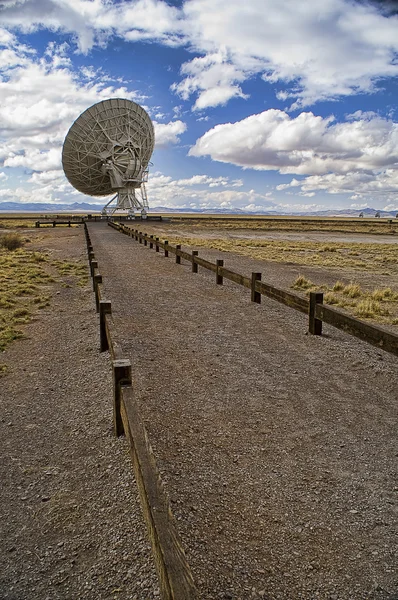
<point x="11" y="241"/>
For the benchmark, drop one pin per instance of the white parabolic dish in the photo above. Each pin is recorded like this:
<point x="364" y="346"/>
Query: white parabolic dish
<point x="108" y="148"/>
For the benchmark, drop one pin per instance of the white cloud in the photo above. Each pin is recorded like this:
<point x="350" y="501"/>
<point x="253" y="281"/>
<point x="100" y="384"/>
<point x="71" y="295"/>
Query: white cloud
<point x="198" y="192"/>
<point x="335" y="49"/>
<point x="291" y="42"/>
<point x="337" y="157"/>
<point x="168" y="133"/>
<point x="213" y="77"/>
<point x="41" y="97"/>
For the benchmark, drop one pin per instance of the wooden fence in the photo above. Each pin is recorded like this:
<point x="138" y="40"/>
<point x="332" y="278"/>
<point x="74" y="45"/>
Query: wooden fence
<point x="175" y="577"/>
<point x="317" y="312"/>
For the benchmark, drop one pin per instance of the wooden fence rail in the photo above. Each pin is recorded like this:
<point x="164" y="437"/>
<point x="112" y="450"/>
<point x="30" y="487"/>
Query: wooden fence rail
<point x="317" y="312"/>
<point x="174" y="573"/>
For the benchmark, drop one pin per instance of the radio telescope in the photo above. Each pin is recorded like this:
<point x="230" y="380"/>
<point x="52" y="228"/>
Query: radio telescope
<point x="107" y="151"/>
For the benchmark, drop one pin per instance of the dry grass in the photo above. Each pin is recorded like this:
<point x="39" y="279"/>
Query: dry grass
<point x="352" y="290"/>
<point x="302" y="283"/>
<point x="370" y="309"/>
<point x="338" y="286"/>
<point x="16" y="223"/>
<point x="21" y="283"/>
<point x="377" y="258"/>
<point x="377" y="304"/>
<point x="372" y="258"/>
<point x="347" y="225"/>
<point x="25" y="279"/>
<point x="69" y="269"/>
<point x="11" y="241"/>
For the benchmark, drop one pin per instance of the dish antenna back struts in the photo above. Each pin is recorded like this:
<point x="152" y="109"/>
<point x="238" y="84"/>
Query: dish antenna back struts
<point x="107" y="151"/>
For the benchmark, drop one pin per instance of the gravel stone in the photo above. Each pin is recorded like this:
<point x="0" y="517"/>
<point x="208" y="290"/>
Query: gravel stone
<point x="71" y="524"/>
<point x="273" y="435"/>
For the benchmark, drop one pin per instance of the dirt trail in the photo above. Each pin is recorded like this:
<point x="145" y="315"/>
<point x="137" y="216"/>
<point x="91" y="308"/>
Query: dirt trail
<point x="71" y="524"/>
<point x="278" y="449"/>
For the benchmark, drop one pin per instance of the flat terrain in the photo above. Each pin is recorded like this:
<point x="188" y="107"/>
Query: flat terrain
<point x="71" y="524"/>
<point x="278" y="449"/>
<point x="286" y="249"/>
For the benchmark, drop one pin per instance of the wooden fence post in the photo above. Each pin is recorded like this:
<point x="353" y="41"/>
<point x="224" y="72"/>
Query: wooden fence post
<point x="97" y="279"/>
<point x="121" y="376"/>
<point x="157" y="245"/>
<point x="93" y="265"/>
<point x="166" y="252"/>
<point x="178" y="258"/>
<point x="219" y="278"/>
<point x="194" y="264"/>
<point x="91" y="256"/>
<point x="145" y="240"/>
<point x="105" y="308"/>
<point x="315" y="325"/>
<point x="151" y="241"/>
<point x="140" y="237"/>
<point x="95" y="268"/>
<point x="255" y="296"/>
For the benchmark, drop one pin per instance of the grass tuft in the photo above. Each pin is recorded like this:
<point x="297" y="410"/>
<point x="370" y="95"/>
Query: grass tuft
<point x="385" y="294"/>
<point x="369" y="309"/>
<point x="352" y="290"/>
<point x="302" y="283"/>
<point x="378" y="304"/>
<point x="338" y="286"/>
<point x="331" y="298"/>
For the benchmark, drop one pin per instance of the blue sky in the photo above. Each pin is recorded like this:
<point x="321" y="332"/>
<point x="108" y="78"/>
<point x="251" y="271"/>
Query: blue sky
<point x="259" y="105"/>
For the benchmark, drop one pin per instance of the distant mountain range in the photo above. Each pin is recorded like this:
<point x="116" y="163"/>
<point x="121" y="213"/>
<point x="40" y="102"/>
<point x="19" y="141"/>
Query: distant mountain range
<point x="85" y="207"/>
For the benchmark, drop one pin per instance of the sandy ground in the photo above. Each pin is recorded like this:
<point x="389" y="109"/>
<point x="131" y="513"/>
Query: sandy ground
<point x="195" y="230"/>
<point x="278" y="449"/>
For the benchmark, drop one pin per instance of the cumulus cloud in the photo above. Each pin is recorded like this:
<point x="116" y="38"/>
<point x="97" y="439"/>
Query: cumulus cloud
<point x="203" y="192"/>
<point x="293" y="43"/>
<point x="362" y="151"/>
<point x="91" y="22"/>
<point x="41" y="97"/>
<point x="287" y="42"/>
<point x="213" y="77"/>
<point x="168" y="133"/>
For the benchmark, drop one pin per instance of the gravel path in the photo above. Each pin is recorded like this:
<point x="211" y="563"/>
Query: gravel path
<point x="278" y="449"/>
<point x="71" y="524"/>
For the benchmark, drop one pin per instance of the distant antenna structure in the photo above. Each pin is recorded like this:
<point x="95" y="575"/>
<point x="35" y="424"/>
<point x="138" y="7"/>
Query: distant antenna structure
<point x="107" y="151"/>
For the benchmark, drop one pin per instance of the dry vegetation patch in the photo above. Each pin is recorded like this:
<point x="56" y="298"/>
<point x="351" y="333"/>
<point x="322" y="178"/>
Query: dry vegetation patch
<point x="376" y="304"/>
<point x="27" y="281"/>
<point x="349" y="225"/>
<point x="11" y="241"/>
<point x="16" y="223"/>
<point x="374" y="257"/>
